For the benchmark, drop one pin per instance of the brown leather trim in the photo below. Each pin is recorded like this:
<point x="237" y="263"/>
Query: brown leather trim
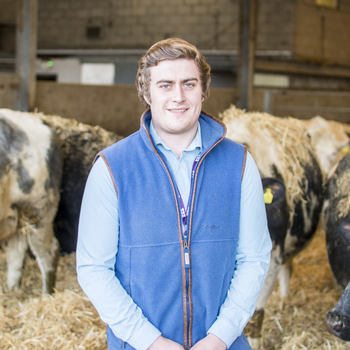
<point x="109" y="170"/>
<point x="143" y="123"/>
<point x="184" y="292"/>
<point x="190" y="226"/>
<point x="190" y="301"/>
<point x="244" y="161"/>
<point x="217" y="120"/>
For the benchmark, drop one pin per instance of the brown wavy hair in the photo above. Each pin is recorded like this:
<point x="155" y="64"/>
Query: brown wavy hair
<point x="170" y="49"/>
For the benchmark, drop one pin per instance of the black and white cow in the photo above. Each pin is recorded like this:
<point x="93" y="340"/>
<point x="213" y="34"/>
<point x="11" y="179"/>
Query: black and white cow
<point x="30" y="175"/>
<point x="79" y="145"/>
<point x="292" y="221"/>
<point x="336" y="221"/>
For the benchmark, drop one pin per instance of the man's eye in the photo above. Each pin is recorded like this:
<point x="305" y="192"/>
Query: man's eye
<point x="165" y="86"/>
<point x="189" y="85"/>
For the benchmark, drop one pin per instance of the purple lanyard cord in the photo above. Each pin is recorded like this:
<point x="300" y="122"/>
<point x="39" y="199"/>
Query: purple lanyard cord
<point x="184" y="211"/>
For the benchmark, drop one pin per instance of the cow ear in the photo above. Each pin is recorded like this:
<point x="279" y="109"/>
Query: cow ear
<point x="273" y="190"/>
<point x="344" y="231"/>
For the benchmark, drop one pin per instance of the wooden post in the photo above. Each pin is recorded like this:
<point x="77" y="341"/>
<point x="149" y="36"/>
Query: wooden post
<point x="26" y="53"/>
<point x="247" y="36"/>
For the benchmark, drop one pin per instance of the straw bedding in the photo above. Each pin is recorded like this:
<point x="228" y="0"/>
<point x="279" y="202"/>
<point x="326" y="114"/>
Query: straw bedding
<point x="67" y="320"/>
<point x="299" y="322"/>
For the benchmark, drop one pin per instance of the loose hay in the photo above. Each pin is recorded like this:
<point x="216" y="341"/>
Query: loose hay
<point x="287" y="136"/>
<point x="299" y="322"/>
<point x="67" y="320"/>
<point x="64" y="320"/>
<point x="343" y="192"/>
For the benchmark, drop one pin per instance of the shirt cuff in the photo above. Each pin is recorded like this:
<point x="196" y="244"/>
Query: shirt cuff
<point x="224" y="331"/>
<point x="144" y="337"/>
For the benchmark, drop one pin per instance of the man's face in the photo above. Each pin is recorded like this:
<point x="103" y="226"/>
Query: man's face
<point x="176" y="96"/>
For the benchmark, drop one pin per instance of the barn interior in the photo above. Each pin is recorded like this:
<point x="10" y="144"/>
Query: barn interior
<point x="78" y="59"/>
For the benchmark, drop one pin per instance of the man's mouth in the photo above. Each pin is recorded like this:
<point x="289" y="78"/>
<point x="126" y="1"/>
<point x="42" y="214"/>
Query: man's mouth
<point x="176" y="110"/>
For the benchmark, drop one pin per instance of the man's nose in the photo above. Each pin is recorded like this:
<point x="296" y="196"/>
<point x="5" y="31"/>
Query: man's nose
<point x="179" y="95"/>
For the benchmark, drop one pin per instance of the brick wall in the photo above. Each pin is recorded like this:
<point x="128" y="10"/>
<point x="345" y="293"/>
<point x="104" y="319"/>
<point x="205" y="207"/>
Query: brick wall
<point x="9" y="85"/>
<point x="304" y="104"/>
<point x="117" y="108"/>
<point x="8" y="10"/>
<point x="139" y="23"/>
<point x="322" y="34"/>
<point x="275" y="25"/>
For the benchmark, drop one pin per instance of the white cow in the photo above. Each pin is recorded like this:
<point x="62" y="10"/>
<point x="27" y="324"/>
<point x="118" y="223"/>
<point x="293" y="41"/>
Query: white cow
<point x="30" y="175"/>
<point x="329" y="139"/>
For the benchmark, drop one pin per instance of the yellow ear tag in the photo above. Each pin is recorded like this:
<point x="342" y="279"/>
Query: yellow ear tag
<point x="345" y="150"/>
<point x="268" y="196"/>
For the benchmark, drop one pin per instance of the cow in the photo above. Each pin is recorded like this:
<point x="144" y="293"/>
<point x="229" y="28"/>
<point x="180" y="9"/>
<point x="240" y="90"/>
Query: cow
<point x="329" y="140"/>
<point x="293" y="191"/>
<point x="30" y="176"/>
<point x="79" y="145"/>
<point x="336" y="222"/>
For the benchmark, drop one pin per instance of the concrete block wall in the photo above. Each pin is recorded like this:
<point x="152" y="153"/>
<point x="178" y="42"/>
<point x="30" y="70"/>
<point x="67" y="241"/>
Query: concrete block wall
<point x="208" y="24"/>
<point x="276" y="20"/>
<point x="8" y="11"/>
<point x="312" y="32"/>
<point x="322" y="34"/>
<point x="134" y="23"/>
<point x="9" y="86"/>
<point x="118" y="109"/>
<point x="305" y="104"/>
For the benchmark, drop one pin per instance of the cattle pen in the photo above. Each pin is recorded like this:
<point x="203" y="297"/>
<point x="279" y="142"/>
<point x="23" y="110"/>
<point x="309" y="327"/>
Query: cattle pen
<point x="67" y="319"/>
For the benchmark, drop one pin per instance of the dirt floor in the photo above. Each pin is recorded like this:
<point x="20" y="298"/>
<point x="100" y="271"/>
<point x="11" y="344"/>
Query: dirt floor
<point x="67" y="320"/>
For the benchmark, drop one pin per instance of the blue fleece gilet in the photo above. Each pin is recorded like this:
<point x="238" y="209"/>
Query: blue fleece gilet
<point x="181" y="302"/>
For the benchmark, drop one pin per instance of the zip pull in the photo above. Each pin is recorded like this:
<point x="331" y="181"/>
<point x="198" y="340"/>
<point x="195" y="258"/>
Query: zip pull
<point x="186" y="255"/>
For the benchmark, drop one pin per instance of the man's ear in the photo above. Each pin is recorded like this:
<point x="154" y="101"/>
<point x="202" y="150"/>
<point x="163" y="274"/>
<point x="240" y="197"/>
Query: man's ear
<point x="146" y="99"/>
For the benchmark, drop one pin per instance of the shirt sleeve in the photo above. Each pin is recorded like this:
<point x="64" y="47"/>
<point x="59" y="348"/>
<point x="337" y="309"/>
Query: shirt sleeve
<point x="252" y="260"/>
<point x="98" y="236"/>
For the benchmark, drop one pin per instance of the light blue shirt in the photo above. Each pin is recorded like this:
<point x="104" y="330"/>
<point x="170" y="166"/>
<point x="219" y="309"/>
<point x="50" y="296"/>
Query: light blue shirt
<point x="98" y="245"/>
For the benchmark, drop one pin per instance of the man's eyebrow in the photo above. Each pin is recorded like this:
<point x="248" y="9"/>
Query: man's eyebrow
<point x="172" y="81"/>
<point x="189" y="79"/>
<point x="164" y="81"/>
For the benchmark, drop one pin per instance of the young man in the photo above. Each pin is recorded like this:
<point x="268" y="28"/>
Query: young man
<point x="173" y="245"/>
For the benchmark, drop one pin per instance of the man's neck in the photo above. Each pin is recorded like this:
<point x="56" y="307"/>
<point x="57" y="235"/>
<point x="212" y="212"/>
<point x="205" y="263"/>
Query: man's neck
<point x="178" y="142"/>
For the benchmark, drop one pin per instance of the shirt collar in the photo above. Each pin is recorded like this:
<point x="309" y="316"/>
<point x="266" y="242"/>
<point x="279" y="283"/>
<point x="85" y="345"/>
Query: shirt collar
<point x="196" y="143"/>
